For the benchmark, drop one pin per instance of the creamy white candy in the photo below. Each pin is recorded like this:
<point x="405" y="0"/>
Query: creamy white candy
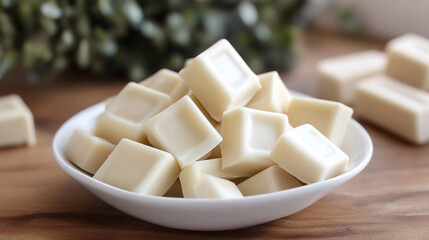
<point x="329" y="117"/>
<point x="273" y="96"/>
<point x="408" y="61"/>
<point x="338" y="76"/>
<point x="126" y="115"/>
<point x="248" y="137"/>
<point x="16" y="122"/>
<point x="139" y="168"/>
<point x="86" y="151"/>
<point x="220" y="79"/>
<point x="409" y="37"/>
<point x="214" y="187"/>
<point x="191" y="175"/>
<point x="272" y="179"/>
<point x="182" y="130"/>
<point x="168" y="82"/>
<point x="308" y="155"/>
<point x="395" y="106"/>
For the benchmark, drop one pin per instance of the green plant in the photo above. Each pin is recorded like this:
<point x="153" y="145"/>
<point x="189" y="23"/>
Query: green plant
<point x="139" y="37"/>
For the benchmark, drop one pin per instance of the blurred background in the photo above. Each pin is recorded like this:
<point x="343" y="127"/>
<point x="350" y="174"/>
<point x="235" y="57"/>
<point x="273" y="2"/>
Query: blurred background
<point x="134" y="38"/>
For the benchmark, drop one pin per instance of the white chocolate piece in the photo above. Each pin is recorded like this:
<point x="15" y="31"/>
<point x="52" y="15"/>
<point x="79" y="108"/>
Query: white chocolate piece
<point x="126" y="115"/>
<point x="182" y="130"/>
<point x="220" y="79"/>
<point x="272" y="179"/>
<point x="339" y="76"/>
<point x="214" y="187"/>
<point x="168" y="82"/>
<point x="213" y="167"/>
<point x="135" y="167"/>
<point x="16" y="122"/>
<point x="409" y="37"/>
<point x="217" y="152"/>
<point x="86" y="151"/>
<point x="408" y="61"/>
<point x="248" y="137"/>
<point x="191" y="175"/>
<point x="396" y="107"/>
<point x="202" y="109"/>
<point x="273" y="96"/>
<point x="308" y="155"/>
<point x="329" y="117"/>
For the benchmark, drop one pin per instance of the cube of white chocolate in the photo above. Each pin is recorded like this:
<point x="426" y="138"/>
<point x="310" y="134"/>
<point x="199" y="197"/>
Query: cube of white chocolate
<point x="408" y="61"/>
<point x="168" y="82"/>
<point x="86" y="151"/>
<point x="214" y="187"/>
<point x="139" y="168"/>
<point x="396" y="107"/>
<point x="126" y="115"/>
<point x="339" y="76"/>
<point x="191" y="175"/>
<point x="202" y="109"/>
<point x="220" y="79"/>
<point x="248" y="137"/>
<point x="329" y="117"/>
<point x="182" y="130"/>
<point x="16" y="122"/>
<point x="409" y="37"/>
<point x="273" y="96"/>
<point x="272" y="179"/>
<point x="308" y="155"/>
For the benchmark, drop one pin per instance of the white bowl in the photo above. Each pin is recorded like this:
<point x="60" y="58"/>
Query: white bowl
<point x="211" y="214"/>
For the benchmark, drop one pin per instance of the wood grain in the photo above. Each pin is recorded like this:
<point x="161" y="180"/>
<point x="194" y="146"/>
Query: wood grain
<point x="388" y="200"/>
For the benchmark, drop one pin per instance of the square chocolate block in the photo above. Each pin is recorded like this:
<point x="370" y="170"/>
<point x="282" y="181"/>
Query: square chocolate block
<point x="182" y="130"/>
<point x="273" y="96"/>
<point x="338" y="76"/>
<point x="329" y="117"/>
<point x="136" y="167"/>
<point x="191" y="175"/>
<point x="408" y="61"/>
<point x="16" y="122"/>
<point x="308" y="155"/>
<point x="168" y="82"/>
<point x="86" y="151"/>
<point x="214" y="187"/>
<point x="272" y="179"/>
<point x="220" y="79"/>
<point x="396" y="107"/>
<point x="126" y="115"/>
<point x="248" y="137"/>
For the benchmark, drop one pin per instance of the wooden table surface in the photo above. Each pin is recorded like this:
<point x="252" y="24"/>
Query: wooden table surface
<point x="388" y="200"/>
